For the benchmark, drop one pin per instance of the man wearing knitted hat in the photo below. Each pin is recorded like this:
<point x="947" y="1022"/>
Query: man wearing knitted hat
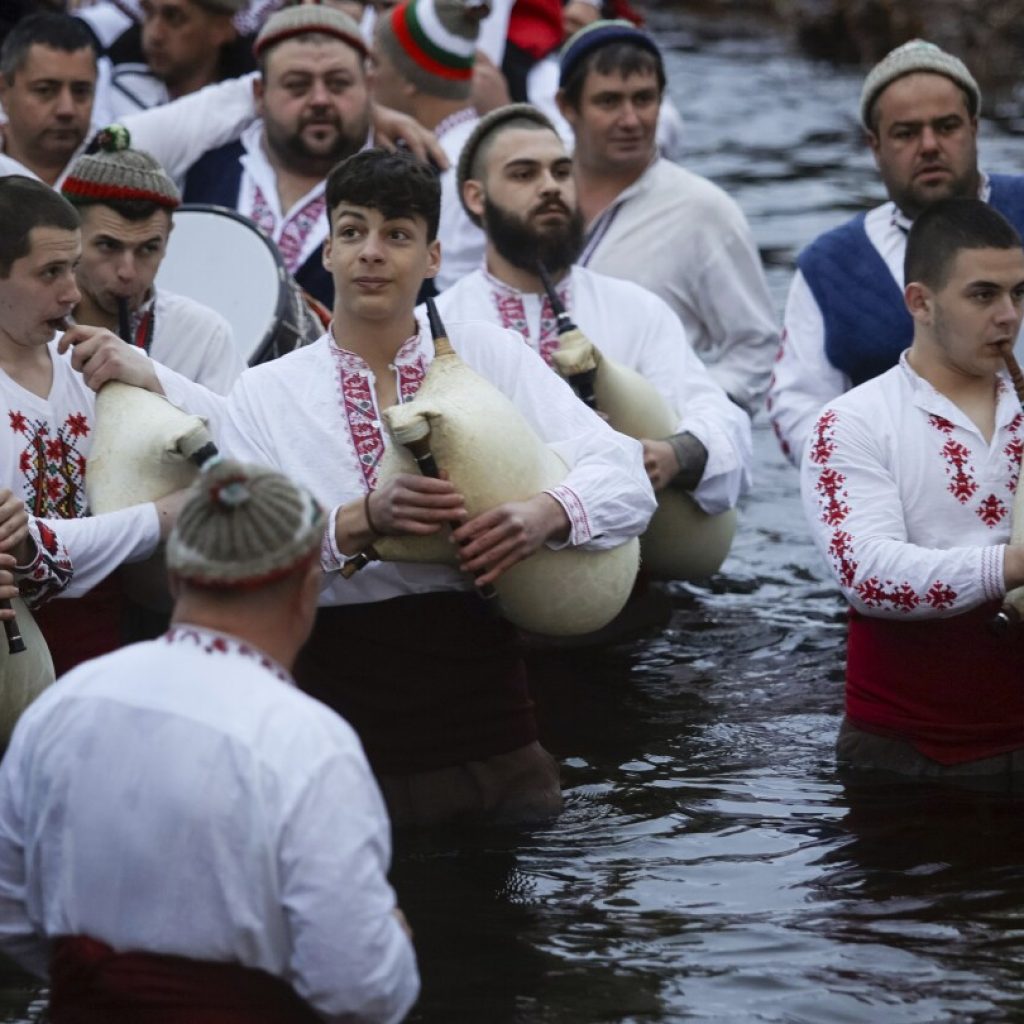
<point x="845" y="319"/>
<point x="515" y="179"/>
<point x="234" y="864"/>
<point x="126" y="203"/>
<point x="423" y="56"/>
<point x="313" y="100"/>
<point x="653" y="222"/>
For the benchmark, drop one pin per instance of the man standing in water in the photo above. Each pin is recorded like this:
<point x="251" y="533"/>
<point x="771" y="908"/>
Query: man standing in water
<point x="907" y="483"/>
<point x="845" y="318"/>
<point x="651" y="221"/>
<point x="515" y="180"/>
<point x="183" y="835"/>
<point x="431" y="679"/>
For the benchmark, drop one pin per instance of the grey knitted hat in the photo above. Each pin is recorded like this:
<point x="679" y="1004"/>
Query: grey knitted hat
<point x="243" y="527"/>
<point x="487" y="125"/>
<point x="917" y="55"/>
<point x="297" y="21"/>
<point x="116" y="172"/>
<point x="432" y="44"/>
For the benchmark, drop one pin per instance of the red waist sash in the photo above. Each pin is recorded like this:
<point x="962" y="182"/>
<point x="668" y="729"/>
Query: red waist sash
<point x="79" y="628"/>
<point x="948" y="686"/>
<point x="91" y="984"/>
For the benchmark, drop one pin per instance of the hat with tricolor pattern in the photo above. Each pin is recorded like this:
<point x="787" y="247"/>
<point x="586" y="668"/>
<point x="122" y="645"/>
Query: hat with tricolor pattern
<point x="432" y="44"/>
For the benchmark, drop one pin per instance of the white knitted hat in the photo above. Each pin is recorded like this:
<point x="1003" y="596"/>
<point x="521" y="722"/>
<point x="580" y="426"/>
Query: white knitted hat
<point x="917" y="55"/>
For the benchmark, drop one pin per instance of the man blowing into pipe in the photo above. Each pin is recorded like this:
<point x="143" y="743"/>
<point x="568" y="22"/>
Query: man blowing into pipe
<point x="186" y="837"/>
<point x="431" y="680"/>
<point x="908" y="483"/>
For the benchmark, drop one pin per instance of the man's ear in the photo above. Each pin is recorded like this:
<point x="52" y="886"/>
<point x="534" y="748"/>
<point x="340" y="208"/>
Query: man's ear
<point x="567" y="110"/>
<point x="433" y="258"/>
<point x="325" y="254"/>
<point x="918" y="298"/>
<point x="473" y="196"/>
<point x="257" y="94"/>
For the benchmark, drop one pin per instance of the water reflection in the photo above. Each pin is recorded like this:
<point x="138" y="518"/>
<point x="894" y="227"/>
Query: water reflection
<point x="710" y="864"/>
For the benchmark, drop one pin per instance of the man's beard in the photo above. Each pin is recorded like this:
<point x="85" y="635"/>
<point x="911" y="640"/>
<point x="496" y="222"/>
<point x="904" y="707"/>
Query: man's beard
<point x="524" y="246"/>
<point x="293" y="150"/>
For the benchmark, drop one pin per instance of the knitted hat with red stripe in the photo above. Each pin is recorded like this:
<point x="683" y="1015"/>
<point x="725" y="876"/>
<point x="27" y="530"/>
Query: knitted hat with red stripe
<point x="432" y="44"/>
<point x="305" y="19"/>
<point x="243" y="527"/>
<point x="117" y="173"/>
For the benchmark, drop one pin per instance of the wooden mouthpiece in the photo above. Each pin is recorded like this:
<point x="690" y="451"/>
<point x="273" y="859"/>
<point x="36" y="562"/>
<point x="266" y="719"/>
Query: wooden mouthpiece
<point x="123" y="322"/>
<point x="1014" y="370"/>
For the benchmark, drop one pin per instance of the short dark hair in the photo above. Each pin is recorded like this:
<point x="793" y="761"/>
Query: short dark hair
<point x="394" y="183"/>
<point x="45" y="28"/>
<point x="26" y="204"/>
<point x="945" y="228"/>
<point x="130" y="209"/>
<point x="625" y="57"/>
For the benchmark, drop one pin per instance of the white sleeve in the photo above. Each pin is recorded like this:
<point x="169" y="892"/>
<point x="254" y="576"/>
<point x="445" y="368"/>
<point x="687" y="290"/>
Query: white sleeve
<point x="736" y="310"/>
<point x="351" y="960"/>
<point x="20" y="939"/>
<point x="222" y="363"/>
<point x="99" y="544"/>
<point x="178" y="133"/>
<point x="803" y="380"/>
<point x="606" y="494"/>
<point x="852" y="503"/>
<point x="668" y="361"/>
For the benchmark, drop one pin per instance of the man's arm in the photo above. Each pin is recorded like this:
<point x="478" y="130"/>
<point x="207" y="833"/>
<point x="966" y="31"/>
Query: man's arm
<point x="803" y="380"/>
<point x="710" y="454"/>
<point x="351" y="957"/>
<point x="853" y="506"/>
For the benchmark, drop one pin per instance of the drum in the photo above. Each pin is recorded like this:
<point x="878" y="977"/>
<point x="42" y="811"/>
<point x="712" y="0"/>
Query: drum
<point x="223" y="260"/>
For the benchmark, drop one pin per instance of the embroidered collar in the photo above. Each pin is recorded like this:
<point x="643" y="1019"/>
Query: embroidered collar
<point x="351" y="362"/>
<point x="453" y="120"/>
<point x="211" y="641"/>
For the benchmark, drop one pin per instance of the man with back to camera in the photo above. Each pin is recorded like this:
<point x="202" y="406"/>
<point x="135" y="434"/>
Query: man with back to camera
<point x="845" y="318"/>
<point x="515" y="180"/>
<point x="908" y="482"/>
<point x="183" y="835"/>
<point x="650" y="221"/>
<point x="431" y="679"/>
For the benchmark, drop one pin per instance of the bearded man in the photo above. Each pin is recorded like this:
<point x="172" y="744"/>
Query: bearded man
<point x="313" y="100"/>
<point x="516" y="181"/>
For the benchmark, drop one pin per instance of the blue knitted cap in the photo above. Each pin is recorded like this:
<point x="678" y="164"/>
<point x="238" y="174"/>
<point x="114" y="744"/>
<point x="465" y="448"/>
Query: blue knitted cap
<point x="597" y="35"/>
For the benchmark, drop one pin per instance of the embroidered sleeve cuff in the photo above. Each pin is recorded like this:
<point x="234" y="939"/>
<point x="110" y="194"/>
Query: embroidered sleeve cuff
<point x="331" y="558"/>
<point x="49" y="572"/>
<point x="579" y="523"/>
<point x="992" y="572"/>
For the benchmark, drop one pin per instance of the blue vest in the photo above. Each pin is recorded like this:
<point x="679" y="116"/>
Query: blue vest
<point x="216" y="178"/>
<point x="867" y="325"/>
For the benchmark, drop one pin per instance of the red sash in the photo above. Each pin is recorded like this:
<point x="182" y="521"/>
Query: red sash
<point x="79" y="628"/>
<point x="950" y="687"/>
<point x="91" y="984"/>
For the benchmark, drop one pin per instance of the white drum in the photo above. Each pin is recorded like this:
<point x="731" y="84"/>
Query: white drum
<point x="225" y="261"/>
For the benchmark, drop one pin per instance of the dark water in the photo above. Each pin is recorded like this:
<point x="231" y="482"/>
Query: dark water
<point x="710" y="865"/>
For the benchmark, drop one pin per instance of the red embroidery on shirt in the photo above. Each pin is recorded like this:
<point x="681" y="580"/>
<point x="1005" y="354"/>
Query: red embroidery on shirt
<point x="962" y="485"/>
<point x="991" y="511"/>
<point x="1013" y="449"/>
<point x="52" y="466"/>
<point x="365" y="427"/>
<point x="840" y="549"/>
<point x="831" y="486"/>
<point x="941" y="423"/>
<point x="296" y="229"/>
<point x="940" y="595"/>
<point x="215" y="644"/>
<point x="823" y="444"/>
<point x="874" y="593"/>
<point x="512" y="313"/>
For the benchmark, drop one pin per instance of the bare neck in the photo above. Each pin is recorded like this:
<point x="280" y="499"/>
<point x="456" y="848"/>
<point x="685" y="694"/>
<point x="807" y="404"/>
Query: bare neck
<point x="254" y="624"/>
<point x="515" y="277"/>
<point x="293" y="182"/>
<point x="974" y="394"/>
<point x="31" y="366"/>
<point x="598" y="187"/>
<point x="376" y="342"/>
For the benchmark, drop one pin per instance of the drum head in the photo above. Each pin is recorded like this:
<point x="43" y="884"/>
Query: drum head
<point x="222" y="259"/>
